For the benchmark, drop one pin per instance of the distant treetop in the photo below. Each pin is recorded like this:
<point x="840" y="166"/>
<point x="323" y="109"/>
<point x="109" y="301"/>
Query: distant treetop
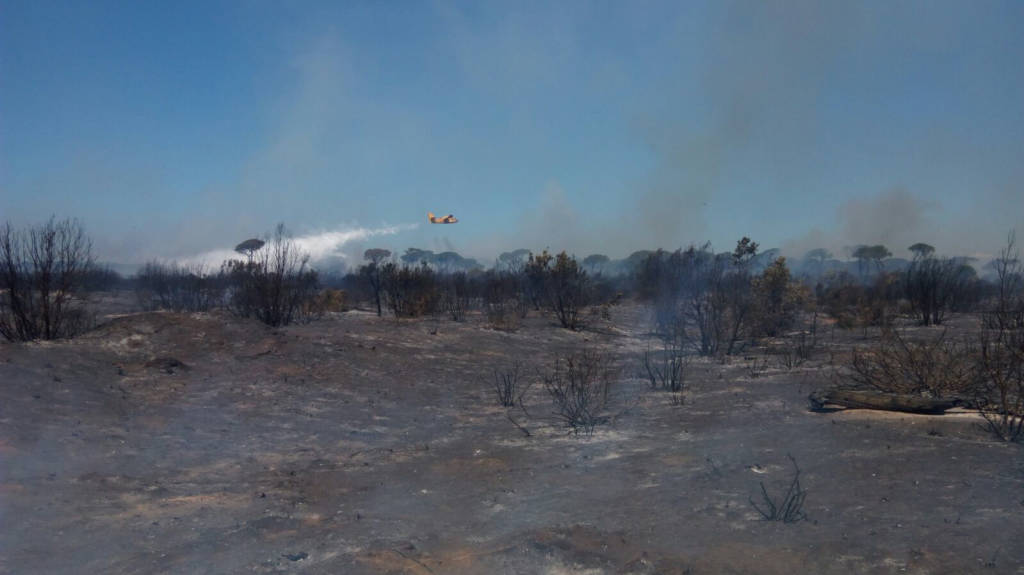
<point x="249" y="247"/>
<point x="922" y="250"/>
<point x="376" y="255"/>
<point x="819" y="254"/>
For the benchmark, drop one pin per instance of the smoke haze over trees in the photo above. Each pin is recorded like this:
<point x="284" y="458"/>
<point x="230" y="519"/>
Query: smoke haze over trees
<point x="805" y="125"/>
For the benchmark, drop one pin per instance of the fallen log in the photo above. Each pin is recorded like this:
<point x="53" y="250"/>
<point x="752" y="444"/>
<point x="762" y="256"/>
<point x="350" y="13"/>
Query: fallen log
<point x="861" y="399"/>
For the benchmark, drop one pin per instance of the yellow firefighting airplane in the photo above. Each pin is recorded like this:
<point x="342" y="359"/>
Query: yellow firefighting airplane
<point x="449" y="219"/>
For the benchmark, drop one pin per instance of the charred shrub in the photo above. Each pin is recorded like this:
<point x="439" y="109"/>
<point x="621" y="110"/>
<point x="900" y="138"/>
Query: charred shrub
<point x="177" y="287"/>
<point x="274" y="284"/>
<point x="794" y="351"/>
<point x="410" y="291"/>
<point x="854" y="304"/>
<point x="503" y="299"/>
<point x="457" y="295"/>
<point x="936" y="367"/>
<point x="703" y="297"/>
<point x="1006" y="307"/>
<point x="934" y="286"/>
<point x="326" y="301"/>
<point x="372" y="276"/>
<point x="688" y="293"/>
<point x="604" y="295"/>
<point x="511" y="267"/>
<point x="43" y="272"/>
<point x="796" y="348"/>
<point x="659" y="280"/>
<point x="102" y="278"/>
<point x="1000" y="398"/>
<point x="567" y="290"/>
<point x="705" y="304"/>
<point x="559" y="283"/>
<point x="579" y="385"/>
<point x="510" y="386"/>
<point x="838" y="296"/>
<point x="535" y="272"/>
<point x="666" y="369"/>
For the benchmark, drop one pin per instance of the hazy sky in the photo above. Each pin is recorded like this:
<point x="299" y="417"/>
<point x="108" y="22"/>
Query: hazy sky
<point x="176" y="128"/>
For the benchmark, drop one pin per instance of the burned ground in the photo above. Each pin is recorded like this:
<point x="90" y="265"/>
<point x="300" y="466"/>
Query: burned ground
<point x="201" y="443"/>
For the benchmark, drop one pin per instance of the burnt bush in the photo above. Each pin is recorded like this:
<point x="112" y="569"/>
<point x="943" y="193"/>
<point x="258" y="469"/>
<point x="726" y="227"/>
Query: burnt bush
<point x="371" y="275"/>
<point x="838" y="296"/>
<point x="177" y="287"/>
<point x="704" y="317"/>
<point x="328" y="300"/>
<point x="934" y="286"/>
<point x="857" y="305"/>
<point x="687" y="290"/>
<point x="1000" y="397"/>
<point x="559" y="283"/>
<point x="504" y="301"/>
<point x="666" y="369"/>
<point x="102" y="278"/>
<point x="567" y="290"/>
<point x="275" y="284"/>
<point x="456" y="295"/>
<point x="535" y="274"/>
<point x="580" y="386"/>
<point x="510" y="386"/>
<point x="607" y="289"/>
<point x="795" y="350"/>
<point x="1006" y="306"/>
<point x="659" y="278"/>
<point x="703" y="297"/>
<point x="410" y="291"/>
<point x="502" y="318"/>
<point x="936" y="367"/>
<point x="43" y="271"/>
<point x="357" y="291"/>
<point x="497" y="294"/>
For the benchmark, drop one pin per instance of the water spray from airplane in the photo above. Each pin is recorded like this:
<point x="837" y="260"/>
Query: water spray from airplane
<point x="319" y="245"/>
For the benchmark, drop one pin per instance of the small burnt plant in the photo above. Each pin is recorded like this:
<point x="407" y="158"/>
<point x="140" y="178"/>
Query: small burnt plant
<point x="795" y="352"/>
<point x="667" y="370"/>
<point x="756" y="366"/>
<point x="510" y="386"/>
<point x="579" y="385"/>
<point x="788" y="509"/>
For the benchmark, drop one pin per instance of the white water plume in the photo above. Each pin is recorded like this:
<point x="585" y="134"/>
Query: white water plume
<point x="319" y="245"/>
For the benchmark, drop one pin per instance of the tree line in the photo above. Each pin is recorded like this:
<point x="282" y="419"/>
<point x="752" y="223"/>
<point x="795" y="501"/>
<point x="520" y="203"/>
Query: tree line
<point x="712" y="301"/>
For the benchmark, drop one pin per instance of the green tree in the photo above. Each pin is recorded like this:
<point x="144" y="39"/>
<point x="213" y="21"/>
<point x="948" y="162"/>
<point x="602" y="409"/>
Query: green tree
<point x="777" y="298"/>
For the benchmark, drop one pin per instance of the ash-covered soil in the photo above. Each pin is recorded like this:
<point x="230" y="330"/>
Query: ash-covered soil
<point x="201" y="443"/>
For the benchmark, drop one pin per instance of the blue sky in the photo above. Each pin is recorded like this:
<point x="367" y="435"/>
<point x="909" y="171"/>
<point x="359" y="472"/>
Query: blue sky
<point x="172" y="129"/>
